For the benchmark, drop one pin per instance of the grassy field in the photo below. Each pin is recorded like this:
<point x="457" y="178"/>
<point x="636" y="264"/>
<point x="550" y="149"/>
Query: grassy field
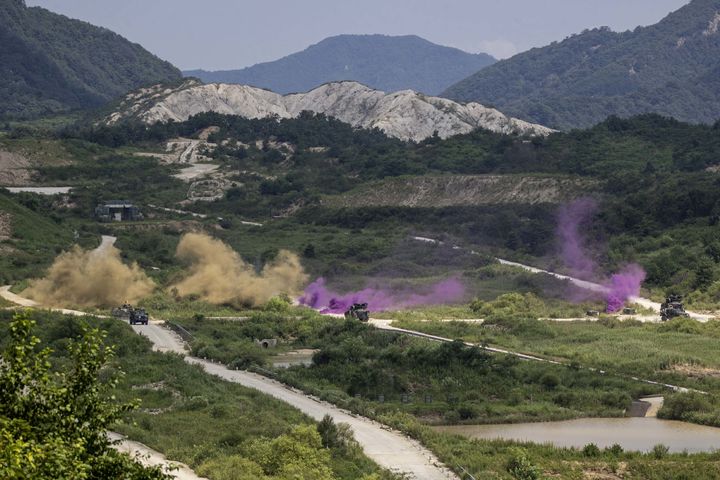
<point x="195" y="418"/>
<point x="682" y="351"/>
<point x="378" y="372"/>
<point x="357" y="365"/>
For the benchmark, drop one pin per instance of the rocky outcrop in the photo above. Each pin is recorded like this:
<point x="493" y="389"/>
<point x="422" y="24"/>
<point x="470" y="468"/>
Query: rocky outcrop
<point x="406" y="114"/>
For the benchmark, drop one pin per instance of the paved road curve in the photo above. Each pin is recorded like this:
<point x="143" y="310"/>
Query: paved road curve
<point x="388" y="448"/>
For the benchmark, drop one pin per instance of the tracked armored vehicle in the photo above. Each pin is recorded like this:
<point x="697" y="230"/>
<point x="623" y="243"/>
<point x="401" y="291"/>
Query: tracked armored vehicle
<point x="136" y="316"/>
<point x="672" y="308"/>
<point x="358" y="311"/>
<point x="123" y="312"/>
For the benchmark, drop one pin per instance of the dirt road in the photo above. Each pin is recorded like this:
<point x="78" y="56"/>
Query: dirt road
<point x="388" y="448"/>
<point x="150" y="457"/>
<point x="163" y="339"/>
<point x="40" y="190"/>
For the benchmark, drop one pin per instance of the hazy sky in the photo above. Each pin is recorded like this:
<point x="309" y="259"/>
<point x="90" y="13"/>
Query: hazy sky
<point x="227" y="34"/>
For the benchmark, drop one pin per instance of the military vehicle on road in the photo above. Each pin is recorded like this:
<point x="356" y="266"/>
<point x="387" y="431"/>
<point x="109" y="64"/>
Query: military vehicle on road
<point x="672" y="307"/>
<point x="139" y="316"/>
<point x="358" y="311"/>
<point x="136" y="316"/>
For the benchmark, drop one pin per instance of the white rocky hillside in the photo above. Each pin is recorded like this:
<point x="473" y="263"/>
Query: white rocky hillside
<point x="406" y="114"/>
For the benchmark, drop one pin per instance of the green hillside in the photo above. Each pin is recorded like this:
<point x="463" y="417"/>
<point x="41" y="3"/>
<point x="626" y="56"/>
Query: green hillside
<point x="29" y="239"/>
<point x="671" y="68"/>
<point x="50" y="63"/>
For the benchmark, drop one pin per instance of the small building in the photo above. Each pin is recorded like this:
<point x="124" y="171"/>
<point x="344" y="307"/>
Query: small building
<point x="117" y="211"/>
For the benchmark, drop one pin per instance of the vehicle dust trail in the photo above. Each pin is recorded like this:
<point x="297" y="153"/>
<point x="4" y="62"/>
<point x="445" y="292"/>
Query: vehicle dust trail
<point x="149" y="457"/>
<point x="219" y="275"/>
<point x="95" y="278"/>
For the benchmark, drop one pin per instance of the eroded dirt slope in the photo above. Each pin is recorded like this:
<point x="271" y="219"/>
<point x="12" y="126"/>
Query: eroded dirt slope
<point x="464" y="190"/>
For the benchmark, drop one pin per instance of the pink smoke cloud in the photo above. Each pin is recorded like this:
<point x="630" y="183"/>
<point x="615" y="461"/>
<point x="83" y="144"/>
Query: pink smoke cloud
<point x="622" y="285"/>
<point x="318" y="296"/>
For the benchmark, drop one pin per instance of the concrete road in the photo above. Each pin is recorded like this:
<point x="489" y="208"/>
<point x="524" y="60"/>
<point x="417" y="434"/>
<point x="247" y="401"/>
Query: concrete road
<point x="149" y="457"/>
<point x="163" y="339"/>
<point x="388" y="448"/>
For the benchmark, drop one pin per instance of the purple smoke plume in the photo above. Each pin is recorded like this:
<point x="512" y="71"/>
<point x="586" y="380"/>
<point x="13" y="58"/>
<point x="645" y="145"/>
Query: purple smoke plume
<point x="574" y="251"/>
<point x="620" y="286"/>
<point x="318" y="296"/>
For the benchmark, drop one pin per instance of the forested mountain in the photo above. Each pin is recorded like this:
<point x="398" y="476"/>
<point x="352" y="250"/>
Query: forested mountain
<point x="50" y="63"/>
<point x="671" y="68"/>
<point x="387" y="63"/>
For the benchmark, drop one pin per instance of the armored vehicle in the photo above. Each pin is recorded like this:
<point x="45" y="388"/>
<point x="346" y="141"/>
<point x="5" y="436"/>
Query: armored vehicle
<point x="138" y="316"/>
<point x="358" y="311"/>
<point x="672" y="307"/>
<point x="123" y="312"/>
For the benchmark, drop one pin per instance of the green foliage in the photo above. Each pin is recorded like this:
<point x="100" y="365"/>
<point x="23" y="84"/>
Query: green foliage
<point x="390" y="372"/>
<point x="297" y="454"/>
<point x="649" y="350"/>
<point x="586" y="77"/>
<point x="659" y="206"/>
<point x="52" y="424"/>
<point x="35" y="237"/>
<point x="51" y="63"/>
<point x="520" y="467"/>
<point x="684" y="406"/>
<point x="660" y="451"/>
<point x="591" y="450"/>
<point x="188" y="415"/>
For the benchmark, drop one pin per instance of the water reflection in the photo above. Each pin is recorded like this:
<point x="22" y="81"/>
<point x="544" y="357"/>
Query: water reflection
<point x="639" y="434"/>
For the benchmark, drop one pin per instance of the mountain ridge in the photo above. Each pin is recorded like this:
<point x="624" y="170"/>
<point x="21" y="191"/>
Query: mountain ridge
<point x="405" y="114"/>
<point x="383" y="62"/>
<point x="670" y="68"/>
<point x="50" y="63"/>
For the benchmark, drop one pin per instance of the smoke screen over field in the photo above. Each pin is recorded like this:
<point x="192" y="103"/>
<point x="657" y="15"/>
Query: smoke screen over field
<point x="96" y="278"/>
<point x="620" y="286"/>
<point x="217" y="274"/>
<point x="318" y="296"/>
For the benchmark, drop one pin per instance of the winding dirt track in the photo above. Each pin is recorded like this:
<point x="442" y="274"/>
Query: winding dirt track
<point x="388" y="448"/>
<point x="148" y="456"/>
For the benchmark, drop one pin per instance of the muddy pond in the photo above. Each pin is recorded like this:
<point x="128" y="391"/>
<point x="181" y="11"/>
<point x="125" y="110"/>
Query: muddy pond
<point x="638" y="434"/>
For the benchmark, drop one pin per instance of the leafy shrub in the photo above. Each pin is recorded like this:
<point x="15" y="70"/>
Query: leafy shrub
<point x="520" y="467"/>
<point x="550" y="381"/>
<point x="615" y="449"/>
<point x="679" y="406"/>
<point x="591" y="450"/>
<point x="660" y="451"/>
